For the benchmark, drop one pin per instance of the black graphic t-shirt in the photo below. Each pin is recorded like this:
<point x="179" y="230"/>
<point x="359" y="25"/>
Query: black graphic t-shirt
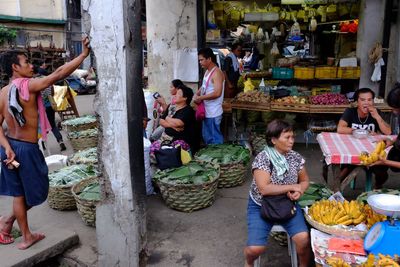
<point x="350" y="116"/>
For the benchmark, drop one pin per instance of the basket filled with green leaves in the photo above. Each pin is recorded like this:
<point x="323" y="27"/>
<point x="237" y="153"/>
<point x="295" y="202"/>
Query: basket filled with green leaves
<point x="83" y="139"/>
<point x="87" y="156"/>
<point x="80" y="123"/>
<point x="60" y="196"/>
<point x="189" y="187"/>
<point x="87" y="195"/>
<point x="233" y="160"/>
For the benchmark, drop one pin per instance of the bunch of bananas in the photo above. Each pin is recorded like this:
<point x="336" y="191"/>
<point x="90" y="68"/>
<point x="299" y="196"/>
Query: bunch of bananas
<point x="382" y="261"/>
<point x="330" y="212"/>
<point x="372" y="217"/>
<point x="379" y="151"/>
<point x="336" y="262"/>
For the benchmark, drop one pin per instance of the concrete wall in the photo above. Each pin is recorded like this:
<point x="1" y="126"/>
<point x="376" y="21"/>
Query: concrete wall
<point x="370" y="31"/>
<point x="171" y="25"/>
<point x="117" y="217"/>
<point x="40" y="9"/>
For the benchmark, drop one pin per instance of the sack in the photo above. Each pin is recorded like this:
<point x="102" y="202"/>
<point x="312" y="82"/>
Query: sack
<point x="168" y="157"/>
<point x="200" y="111"/>
<point x="277" y="208"/>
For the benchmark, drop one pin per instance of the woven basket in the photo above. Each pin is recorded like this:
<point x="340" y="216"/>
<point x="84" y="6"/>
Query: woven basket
<point x="61" y="198"/>
<point x="334" y="230"/>
<point x="232" y="174"/>
<point x="86" y="208"/>
<point x="82" y="143"/>
<point x="80" y="127"/>
<point x="188" y="198"/>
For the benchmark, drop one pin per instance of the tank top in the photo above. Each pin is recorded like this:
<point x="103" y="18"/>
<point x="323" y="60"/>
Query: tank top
<point x="213" y="107"/>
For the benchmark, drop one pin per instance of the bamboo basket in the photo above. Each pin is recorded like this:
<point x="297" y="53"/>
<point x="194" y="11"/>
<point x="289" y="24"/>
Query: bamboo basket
<point x="188" y="198"/>
<point x="232" y="174"/>
<point x="86" y="208"/>
<point x="61" y="198"/>
<point x="82" y="143"/>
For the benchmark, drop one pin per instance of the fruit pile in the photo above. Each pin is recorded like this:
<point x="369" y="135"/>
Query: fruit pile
<point x="369" y="158"/>
<point x="382" y="261"/>
<point x="253" y="96"/>
<point x="336" y="262"/>
<point x="329" y="99"/>
<point x="331" y="212"/>
<point x="292" y="100"/>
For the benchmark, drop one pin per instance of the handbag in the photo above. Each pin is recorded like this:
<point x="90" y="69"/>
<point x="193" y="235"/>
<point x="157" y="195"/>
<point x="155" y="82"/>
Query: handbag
<point x="168" y="156"/>
<point x="201" y="109"/>
<point x="277" y="208"/>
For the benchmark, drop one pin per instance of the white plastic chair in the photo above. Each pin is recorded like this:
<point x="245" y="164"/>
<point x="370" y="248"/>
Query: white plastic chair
<point x="291" y="247"/>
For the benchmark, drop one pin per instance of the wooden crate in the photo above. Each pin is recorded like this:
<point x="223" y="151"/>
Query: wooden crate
<point x="290" y="107"/>
<point x="304" y="73"/>
<point x="325" y="72"/>
<point x="349" y="72"/>
<point x="331" y="109"/>
<point x="250" y="106"/>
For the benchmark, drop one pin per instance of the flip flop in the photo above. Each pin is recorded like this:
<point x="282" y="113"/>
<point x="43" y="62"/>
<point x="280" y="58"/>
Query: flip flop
<point x="6" y="238"/>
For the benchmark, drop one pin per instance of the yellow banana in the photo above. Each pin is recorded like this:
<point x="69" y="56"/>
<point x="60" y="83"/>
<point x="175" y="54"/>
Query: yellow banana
<point x="346" y="206"/>
<point x="359" y="219"/>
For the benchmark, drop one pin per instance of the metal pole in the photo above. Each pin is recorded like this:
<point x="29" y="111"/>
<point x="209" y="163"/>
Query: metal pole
<point x="135" y="98"/>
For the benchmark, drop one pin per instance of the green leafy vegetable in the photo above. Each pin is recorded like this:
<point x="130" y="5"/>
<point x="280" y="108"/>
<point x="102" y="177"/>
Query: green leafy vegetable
<point x="86" y="133"/>
<point x="91" y="192"/>
<point x="314" y="193"/>
<point x="87" y="156"/>
<point x="224" y="154"/>
<point x="79" y="121"/>
<point x="70" y="175"/>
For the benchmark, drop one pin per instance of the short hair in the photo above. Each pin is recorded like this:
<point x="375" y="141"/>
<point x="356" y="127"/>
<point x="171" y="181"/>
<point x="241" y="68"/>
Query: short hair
<point x="275" y="128"/>
<point x="393" y="98"/>
<point x="207" y="53"/>
<point x="176" y="83"/>
<point x="186" y="92"/>
<point x="363" y="91"/>
<point x="8" y="58"/>
<point x="236" y="45"/>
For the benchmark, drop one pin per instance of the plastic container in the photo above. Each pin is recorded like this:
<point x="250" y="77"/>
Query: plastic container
<point x="282" y="73"/>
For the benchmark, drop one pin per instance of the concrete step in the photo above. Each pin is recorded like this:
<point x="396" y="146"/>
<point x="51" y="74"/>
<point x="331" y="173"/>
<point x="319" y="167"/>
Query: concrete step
<point x="56" y="242"/>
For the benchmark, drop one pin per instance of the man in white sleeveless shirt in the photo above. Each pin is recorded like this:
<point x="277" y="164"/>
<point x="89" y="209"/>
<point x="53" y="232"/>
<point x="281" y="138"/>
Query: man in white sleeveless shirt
<point x="212" y="93"/>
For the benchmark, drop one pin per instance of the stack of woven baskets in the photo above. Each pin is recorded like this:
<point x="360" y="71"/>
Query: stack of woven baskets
<point x="82" y="132"/>
<point x="233" y="160"/>
<point x="189" y="187"/>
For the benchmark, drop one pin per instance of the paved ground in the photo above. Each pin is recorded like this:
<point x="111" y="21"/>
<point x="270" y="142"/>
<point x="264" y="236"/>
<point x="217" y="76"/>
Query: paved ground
<point x="214" y="236"/>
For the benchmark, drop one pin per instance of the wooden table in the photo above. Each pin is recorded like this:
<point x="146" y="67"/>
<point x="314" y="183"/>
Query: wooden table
<point x="345" y="149"/>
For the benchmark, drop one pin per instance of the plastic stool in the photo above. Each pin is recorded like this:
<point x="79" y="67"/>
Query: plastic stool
<point x="291" y="247"/>
<point x="368" y="181"/>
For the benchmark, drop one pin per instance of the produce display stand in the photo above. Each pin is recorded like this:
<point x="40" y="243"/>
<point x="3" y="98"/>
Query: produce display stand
<point x="290" y="107"/>
<point x="250" y="106"/>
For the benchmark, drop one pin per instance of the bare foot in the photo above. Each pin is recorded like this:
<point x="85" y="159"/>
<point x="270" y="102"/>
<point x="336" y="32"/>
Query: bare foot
<point x="36" y="237"/>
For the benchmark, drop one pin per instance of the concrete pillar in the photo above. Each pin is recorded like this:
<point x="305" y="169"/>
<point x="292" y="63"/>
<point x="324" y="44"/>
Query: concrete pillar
<point x="370" y="31"/>
<point x="120" y="218"/>
<point x="171" y="25"/>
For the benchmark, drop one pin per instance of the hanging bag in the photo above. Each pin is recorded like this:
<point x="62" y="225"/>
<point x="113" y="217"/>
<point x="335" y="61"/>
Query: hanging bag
<point x="201" y="109"/>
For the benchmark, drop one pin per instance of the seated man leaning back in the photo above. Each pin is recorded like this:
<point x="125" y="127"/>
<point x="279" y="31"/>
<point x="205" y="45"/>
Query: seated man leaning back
<point x="367" y="117"/>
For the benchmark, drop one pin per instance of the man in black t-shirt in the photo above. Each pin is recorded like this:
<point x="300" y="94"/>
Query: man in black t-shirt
<point x="364" y="116"/>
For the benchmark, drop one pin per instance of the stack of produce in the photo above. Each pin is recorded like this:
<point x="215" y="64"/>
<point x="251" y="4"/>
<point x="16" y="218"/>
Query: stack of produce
<point x="381" y="261"/>
<point x="233" y="160"/>
<point x="87" y="156"/>
<point x="257" y="142"/>
<point x="82" y="140"/>
<point x="253" y="96"/>
<point x="60" y="195"/>
<point x="364" y="196"/>
<point x="379" y="152"/>
<point x="336" y="262"/>
<point x="80" y="123"/>
<point x="189" y="187"/>
<point x="292" y="100"/>
<point x="329" y="99"/>
<point x="331" y="212"/>
<point x="87" y="195"/>
<point x="314" y="192"/>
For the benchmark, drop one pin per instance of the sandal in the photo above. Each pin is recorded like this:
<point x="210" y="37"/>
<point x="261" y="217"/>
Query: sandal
<point x="6" y="238"/>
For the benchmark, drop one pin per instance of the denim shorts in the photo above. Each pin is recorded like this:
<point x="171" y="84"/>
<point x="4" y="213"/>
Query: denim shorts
<point x="259" y="229"/>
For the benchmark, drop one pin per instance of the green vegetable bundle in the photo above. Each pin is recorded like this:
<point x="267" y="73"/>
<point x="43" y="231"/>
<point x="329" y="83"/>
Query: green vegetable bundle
<point x="314" y="192"/>
<point x="80" y="120"/>
<point x="91" y="192"/>
<point x="86" y="133"/>
<point x="195" y="172"/>
<point x="364" y="196"/>
<point x="87" y="156"/>
<point x="224" y="154"/>
<point x="70" y="175"/>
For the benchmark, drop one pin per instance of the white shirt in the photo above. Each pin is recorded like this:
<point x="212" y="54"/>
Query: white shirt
<point x="214" y="106"/>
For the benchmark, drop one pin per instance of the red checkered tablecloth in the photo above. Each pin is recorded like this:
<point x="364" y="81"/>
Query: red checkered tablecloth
<point x="344" y="148"/>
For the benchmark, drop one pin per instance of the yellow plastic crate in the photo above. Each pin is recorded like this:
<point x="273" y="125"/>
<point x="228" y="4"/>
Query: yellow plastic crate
<point x="349" y="72"/>
<point x="325" y="72"/>
<point x="305" y="73"/>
